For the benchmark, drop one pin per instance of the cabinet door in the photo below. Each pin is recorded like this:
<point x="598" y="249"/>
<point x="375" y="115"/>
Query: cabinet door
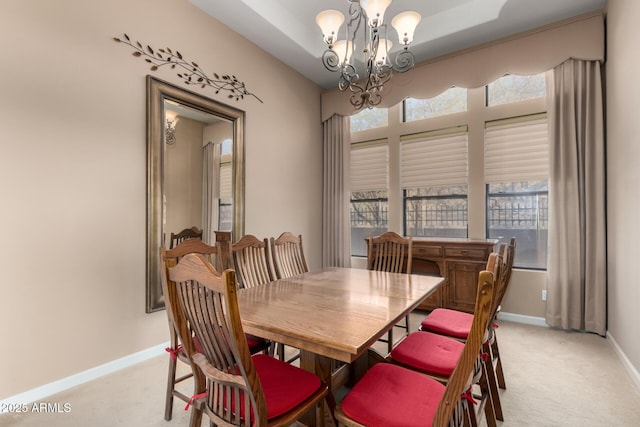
<point x="429" y="268"/>
<point x="463" y="284"/>
<point x="433" y="301"/>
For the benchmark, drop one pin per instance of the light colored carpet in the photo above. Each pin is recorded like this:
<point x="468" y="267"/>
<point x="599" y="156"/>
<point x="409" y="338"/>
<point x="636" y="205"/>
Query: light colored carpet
<point x="554" y="378"/>
<point x="558" y="378"/>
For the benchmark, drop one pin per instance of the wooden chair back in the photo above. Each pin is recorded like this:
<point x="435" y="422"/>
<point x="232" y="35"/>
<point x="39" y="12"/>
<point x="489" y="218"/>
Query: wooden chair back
<point x="209" y="302"/>
<point x="454" y="407"/>
<point x="288" y="255"/>
<point x="252" y="261"/>
<point x="389" y="252"/>
<point x="169" y="258"/>
<point x="392" y="253"/>
<point x="188" y="233"/>
<point x="507" y="266"/>
<point x="495" y="366"/>
<point x="496" y="264"/>
<point x="177" y="325"/>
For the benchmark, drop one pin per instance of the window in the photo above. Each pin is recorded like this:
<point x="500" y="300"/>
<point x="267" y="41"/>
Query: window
<point x="453" y="100"/>
<point x="436" y="211"/>
<point x="513" y="88"/>
<point x="368" y="185"/>
<point x="517" y="173"/>
<point x="369" y="118"/>
<point x="434" y="183"/>
<point x="225" y="202"/>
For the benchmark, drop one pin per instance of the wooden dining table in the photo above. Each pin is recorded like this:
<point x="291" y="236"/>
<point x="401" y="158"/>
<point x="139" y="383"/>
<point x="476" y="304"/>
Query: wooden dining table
<point x="332" y="314"/>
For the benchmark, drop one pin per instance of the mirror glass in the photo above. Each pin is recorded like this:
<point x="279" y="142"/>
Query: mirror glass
<point x="195" y="177"/>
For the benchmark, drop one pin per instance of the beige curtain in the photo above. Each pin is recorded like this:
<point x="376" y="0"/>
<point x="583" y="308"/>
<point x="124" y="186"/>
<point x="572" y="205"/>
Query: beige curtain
<point x="210" y="191"/>
<point x="577" y="286"/>
<point x="336" y="232"/>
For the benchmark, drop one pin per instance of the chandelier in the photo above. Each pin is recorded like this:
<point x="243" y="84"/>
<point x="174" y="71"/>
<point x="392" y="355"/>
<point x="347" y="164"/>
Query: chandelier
<point x="372" y="42"/>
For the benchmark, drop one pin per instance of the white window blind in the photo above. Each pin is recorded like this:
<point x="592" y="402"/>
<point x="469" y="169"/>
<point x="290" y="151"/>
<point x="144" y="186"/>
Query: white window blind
<point x="434" y="159"/>
<point x="369" y="166"/>
<point x="226" y="186"/>
<point x="516" y="150"/>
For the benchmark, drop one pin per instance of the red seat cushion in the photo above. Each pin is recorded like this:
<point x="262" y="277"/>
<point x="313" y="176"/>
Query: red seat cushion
<point x="285" y="386"/>
<point x="389" y="395"/>
<point x="448" y="322"/>
<point x="253" y="342"/>
<point x="428" y="352"/>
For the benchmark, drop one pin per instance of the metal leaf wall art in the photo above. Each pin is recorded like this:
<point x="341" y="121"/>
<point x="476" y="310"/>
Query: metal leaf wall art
<point x="190" y="72"/>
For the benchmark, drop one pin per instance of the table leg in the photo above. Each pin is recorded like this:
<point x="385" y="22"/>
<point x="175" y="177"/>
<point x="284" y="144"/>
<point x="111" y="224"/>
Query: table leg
<point x="321" y="366"/>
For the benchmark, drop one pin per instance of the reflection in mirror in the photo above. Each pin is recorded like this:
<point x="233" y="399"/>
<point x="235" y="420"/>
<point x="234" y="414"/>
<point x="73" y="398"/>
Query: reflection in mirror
<point x="195" y="171"/>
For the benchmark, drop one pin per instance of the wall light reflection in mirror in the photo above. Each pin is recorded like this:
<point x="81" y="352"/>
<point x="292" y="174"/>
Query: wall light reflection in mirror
<point x="170" y="129"/>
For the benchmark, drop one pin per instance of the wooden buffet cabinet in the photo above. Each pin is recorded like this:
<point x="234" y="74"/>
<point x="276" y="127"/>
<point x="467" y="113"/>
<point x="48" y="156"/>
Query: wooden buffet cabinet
<point x="459" y="261"/>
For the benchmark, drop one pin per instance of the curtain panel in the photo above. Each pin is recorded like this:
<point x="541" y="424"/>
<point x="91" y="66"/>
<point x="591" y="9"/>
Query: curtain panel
<point x="210" y="191"/>
<point x="336" y="231"/>
<point x="576" y="267"/>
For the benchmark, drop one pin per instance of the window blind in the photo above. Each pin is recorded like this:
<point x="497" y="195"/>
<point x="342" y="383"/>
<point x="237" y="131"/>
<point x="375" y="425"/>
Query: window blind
<point x="369" y="166"/>
<point x="226" y="186"/>
<point x="516" y="150"/>
<point x="434" y="159"/>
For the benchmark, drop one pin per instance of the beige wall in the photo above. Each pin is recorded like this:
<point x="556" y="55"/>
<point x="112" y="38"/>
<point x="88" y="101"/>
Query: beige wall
<point x="73" y="172"/>
<point x="623" y="175"/>
<point x="524" y="296"/>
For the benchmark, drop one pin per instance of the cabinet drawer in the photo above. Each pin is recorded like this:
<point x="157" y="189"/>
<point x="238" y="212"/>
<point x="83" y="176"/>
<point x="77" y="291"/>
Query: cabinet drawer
<point x="470" y="253"/>
<point x="427" y="251"/>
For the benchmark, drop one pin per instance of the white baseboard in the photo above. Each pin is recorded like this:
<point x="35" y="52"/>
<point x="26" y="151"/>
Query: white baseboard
<point x="47" y="390"/>
<point x="628" y="366"/>
<point x="521" y="318"/>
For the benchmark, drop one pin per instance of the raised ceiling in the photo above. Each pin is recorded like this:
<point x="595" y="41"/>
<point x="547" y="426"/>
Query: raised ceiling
<point x="287" y="29"/>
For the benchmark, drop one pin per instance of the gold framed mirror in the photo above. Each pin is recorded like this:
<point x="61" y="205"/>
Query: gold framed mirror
<point x="195" y="172"/>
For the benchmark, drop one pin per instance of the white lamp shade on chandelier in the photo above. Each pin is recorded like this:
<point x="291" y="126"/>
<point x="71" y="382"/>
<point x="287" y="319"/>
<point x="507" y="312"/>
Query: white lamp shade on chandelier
<point x="339" y="57"/>
<point x="344" y="49"/>
<point x="375" y="10"/>
<point x="405" y="24"/>
<point x="330" y="22"/>
<point x="384" y="46"/>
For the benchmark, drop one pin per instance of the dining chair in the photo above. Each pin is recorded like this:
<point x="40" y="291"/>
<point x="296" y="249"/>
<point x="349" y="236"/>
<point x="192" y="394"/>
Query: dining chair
<point x="392" y="253"/>
<point x="457" y="324"/>
<point x="176" y="349"/>
<point x="188" y="233"/>
<point x="253" y="266"/>
<point x="241" y="389"/>
<point x="437" y="355"/>
<point x="392" y="395"/>
<point x="493" y="339"/>
<point x="288" y="255"/>
<point x="252" y="261"/>
<point x="288" y="259"/>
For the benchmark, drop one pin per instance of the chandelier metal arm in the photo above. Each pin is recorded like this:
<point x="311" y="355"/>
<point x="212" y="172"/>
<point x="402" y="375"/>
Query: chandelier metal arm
<point x="404" y="61"/>
<point x="331" y="60"/>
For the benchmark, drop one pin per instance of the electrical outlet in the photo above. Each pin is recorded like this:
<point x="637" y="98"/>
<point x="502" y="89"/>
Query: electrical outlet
<point x="544" y="295"/>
